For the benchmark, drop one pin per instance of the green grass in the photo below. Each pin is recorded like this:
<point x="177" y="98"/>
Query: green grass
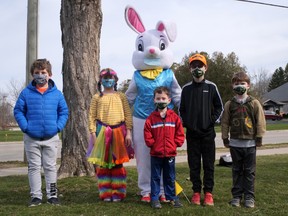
<point x="281" y="126"/>
<point x="11" y="136"/>
<point x="79" y="195"/>
<point x="14" y="136"/>
<point x="271" y="125"/>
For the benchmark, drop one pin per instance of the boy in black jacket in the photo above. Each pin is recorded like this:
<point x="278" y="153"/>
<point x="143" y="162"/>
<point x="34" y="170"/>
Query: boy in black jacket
<point x="201" y="106"/>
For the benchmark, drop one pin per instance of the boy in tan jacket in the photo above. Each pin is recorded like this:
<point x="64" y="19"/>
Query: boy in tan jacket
<point x="243" y="118"/>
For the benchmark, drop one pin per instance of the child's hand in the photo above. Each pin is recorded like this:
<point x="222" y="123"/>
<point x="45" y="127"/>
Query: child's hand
<point x="128" y="138"/>
<point x="258" y="141"/>
<point x="226" y="142"/>
<point x="128" y="143"/>
<point x="258" y="144"/>
<point x="92" y="140"/>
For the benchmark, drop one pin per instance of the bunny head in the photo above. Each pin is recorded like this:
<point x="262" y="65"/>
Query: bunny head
<point x="152" y="46"/>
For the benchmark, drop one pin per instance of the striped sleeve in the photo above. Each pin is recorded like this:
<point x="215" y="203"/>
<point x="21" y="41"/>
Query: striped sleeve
<point x="93" y="114"/>
<point x="127" y="111"/>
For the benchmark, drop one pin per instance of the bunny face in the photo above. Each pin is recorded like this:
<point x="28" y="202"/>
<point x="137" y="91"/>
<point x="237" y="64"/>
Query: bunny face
<point x="152" y="49"/>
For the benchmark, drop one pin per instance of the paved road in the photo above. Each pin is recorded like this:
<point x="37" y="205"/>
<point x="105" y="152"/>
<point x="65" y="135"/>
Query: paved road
<point x="132" y="163"/>
<point x="13" y="151"/>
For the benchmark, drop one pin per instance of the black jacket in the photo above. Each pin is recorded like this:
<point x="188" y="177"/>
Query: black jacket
<point x="201" y="106"/>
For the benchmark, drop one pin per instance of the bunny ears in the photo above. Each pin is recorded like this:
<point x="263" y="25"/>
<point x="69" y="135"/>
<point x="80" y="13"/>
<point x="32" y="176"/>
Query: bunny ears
<point x="135" y="23"/>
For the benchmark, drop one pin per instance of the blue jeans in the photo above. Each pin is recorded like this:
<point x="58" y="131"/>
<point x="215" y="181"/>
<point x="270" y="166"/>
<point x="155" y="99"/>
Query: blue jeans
<point x="167" y="166"/>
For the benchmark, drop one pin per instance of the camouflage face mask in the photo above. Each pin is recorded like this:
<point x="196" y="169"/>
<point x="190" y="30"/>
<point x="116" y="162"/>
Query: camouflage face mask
<point x="239" y="89"/>
<point x="197" y="72"/>
<point x="161" y="105"/>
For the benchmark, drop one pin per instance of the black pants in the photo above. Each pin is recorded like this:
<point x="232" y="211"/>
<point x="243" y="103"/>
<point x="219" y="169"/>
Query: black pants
<point x="197" y="149"/>
<point x="243" y="171"/>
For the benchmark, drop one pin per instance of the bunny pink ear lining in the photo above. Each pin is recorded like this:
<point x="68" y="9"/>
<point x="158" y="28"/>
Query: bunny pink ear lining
<point x="133" y="20"/>
<point x="161" y="27"/>
<point x="170" y="28"/>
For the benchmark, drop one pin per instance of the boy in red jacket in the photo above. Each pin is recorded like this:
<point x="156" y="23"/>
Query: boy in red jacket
<point x="163" y="133"/>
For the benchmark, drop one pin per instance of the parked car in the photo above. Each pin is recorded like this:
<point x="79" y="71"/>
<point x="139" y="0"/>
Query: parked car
<point x="271" y="115"/>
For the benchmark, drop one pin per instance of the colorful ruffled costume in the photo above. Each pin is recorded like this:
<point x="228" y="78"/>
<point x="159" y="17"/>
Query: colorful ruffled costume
<point x="114" y="151"/>
<point x="109" y="117"/>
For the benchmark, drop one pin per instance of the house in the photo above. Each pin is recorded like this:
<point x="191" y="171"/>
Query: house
<point x="276" y="99"/>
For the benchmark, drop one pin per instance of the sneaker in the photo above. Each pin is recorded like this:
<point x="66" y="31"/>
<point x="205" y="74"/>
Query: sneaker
<point x="146" y="198"/>
<point x="107" y="199"/>
<point x="196" y="198"/>
<point x="156" y="204"/>
<point x="116" y="200"/>
<point x="235" y="202"/>
<point x="162" y="198"/>
<point x="53" y="201"/>
<point x="176" y="203"/>
<point x="35" y="202"/>
<point x="249" y="203"/>
<point x="208" y="199"/>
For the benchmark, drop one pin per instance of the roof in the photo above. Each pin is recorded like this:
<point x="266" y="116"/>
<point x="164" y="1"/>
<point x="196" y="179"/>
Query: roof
<point x="278" y="94"/>
<point x="269" y="101"/>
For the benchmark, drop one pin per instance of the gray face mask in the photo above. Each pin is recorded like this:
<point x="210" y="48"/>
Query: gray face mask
<point x="197" y="72"/>
<point x="40" y="78"/>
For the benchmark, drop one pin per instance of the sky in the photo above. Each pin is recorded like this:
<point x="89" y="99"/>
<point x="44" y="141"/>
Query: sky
<point x="257" y="34"/>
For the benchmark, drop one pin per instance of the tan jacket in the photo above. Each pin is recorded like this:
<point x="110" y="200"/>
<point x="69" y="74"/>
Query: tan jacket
<point x="243" y="121"/>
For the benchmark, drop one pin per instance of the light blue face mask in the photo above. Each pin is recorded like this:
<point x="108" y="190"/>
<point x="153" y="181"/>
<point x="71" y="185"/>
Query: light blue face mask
<point x="108" y="83"/>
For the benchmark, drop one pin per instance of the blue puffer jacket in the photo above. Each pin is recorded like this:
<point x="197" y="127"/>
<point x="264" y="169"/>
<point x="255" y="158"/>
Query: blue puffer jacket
<point x="41" y="116"/>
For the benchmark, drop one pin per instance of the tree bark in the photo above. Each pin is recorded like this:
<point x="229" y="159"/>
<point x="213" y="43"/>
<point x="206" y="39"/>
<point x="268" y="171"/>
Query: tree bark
<point x="81" y="22"/>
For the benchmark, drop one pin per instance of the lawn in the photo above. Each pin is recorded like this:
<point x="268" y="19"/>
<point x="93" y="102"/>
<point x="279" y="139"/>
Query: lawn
<point x="79" y="195"/>
<point x="11" y="136"/>
<point x="270" y="125"/>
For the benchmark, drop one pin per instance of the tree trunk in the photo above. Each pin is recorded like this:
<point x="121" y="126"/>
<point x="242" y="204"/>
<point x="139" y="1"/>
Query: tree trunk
<point x="81" y="22"/>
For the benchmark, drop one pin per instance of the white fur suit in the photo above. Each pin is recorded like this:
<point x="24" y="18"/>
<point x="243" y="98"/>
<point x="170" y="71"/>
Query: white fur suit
<point x="152" y="60"/>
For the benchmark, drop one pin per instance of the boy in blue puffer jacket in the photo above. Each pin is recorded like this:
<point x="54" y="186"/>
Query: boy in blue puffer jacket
<point x="41" y="112"/>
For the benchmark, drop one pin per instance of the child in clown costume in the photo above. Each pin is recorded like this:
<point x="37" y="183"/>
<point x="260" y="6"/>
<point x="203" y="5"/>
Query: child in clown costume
<point x="152" y="60"/>
<point x="110" y="124"/>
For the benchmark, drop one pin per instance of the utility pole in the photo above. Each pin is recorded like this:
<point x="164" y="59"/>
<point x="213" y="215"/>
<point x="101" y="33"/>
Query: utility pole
<point x="31" y="41"/>
<point x="32" y="37"/>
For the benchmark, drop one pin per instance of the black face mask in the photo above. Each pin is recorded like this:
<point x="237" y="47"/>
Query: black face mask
<point x="161" y="105"/>
<point x="239" y="89"/>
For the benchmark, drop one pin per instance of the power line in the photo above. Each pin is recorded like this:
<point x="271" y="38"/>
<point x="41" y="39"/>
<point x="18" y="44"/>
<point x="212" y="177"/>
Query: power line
<point x="267" y="4"/>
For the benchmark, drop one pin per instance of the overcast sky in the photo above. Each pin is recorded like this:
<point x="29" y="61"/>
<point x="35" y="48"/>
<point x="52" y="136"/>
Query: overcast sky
<point x="258" y="34"/>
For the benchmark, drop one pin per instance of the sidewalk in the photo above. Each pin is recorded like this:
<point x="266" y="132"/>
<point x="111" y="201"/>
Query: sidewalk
<point x="132" y="163"/>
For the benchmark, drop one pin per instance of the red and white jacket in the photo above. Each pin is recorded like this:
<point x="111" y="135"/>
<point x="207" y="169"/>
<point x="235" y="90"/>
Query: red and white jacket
<point x="163" y="136"/>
